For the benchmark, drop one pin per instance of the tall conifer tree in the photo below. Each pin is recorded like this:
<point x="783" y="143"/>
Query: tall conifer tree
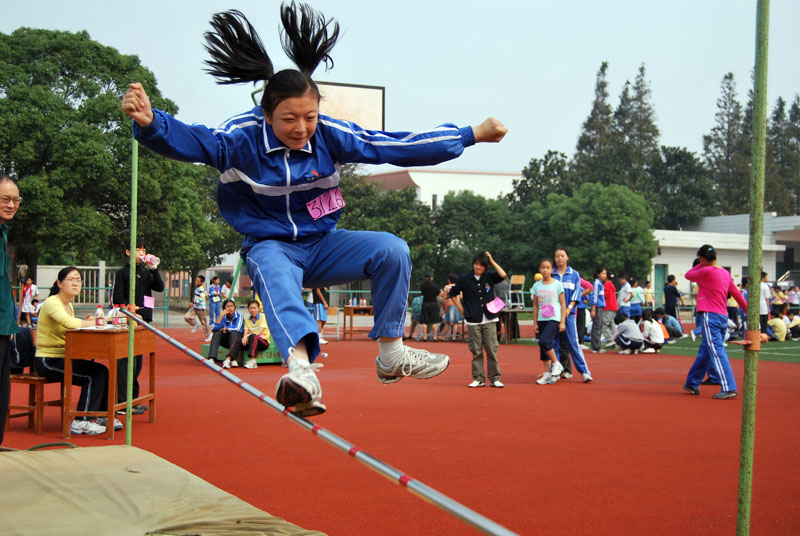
<point x="594" y="151"/>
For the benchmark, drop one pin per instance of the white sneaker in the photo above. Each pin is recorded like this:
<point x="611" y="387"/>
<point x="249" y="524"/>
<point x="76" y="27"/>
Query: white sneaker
<point x="694" y="337"/>
<point x="611" y="345"/>
<point x="102" y="421"/>
<point x="625" y="351"/>
<point x="194" y="328"/>
<point x="649" y="351"/>
<point x="226" y="363"/>
<point x="86" y="427"/>
<point x="497" y="383"/>
<point x="300" y="389"/>
<point x="587" y="377"/>
<point x="251" y="364"/>
<point x="556" y="369"/>
<point x="208" y="338"/>
<point x="322" y="341"/>
<point x="566" y="375"/>
<point x="476" y="383"/>
<point x="234" y="363"/>
<point x="545" y="379"/>
<point x="412" y="362"/>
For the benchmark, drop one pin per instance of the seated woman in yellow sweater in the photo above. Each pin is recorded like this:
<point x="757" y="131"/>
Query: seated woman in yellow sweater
<point x="256" y="333"/>
<point x="56" y="316"/>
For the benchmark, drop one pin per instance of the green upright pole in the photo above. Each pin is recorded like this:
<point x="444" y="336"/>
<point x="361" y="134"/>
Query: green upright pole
<point x="132" y="294"/>
<point x="235" y="278"/>
<point x="755" y="260"/>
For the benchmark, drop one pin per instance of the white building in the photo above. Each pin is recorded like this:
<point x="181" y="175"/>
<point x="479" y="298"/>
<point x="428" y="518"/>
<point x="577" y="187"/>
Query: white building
<point x="432" y="185"/>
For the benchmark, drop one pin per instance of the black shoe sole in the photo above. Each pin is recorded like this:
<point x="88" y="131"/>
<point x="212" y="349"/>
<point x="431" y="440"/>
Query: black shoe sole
<point x="291" y="394"/>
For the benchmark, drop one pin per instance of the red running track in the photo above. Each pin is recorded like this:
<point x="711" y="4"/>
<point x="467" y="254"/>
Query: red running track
<point x="627" y="454"/>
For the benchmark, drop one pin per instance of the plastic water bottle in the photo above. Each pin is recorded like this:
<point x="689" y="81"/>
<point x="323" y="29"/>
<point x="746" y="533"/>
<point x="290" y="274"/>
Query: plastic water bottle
<point x="151" y="260"/>
<point x="99" y="317"/>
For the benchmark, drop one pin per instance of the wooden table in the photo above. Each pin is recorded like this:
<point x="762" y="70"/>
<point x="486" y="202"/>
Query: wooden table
<point x="355" y="310"/>
<point x="111" y="344"/>
<point x="506" y="316"/>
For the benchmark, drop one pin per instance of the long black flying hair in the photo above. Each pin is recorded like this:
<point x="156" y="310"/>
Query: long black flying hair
<point x="238" y="55"/>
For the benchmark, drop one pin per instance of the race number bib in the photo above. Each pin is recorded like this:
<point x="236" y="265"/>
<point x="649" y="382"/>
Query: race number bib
<point x="327" y="203"/>
<point x="149" y="302"/>
<point x="548" y="310"/>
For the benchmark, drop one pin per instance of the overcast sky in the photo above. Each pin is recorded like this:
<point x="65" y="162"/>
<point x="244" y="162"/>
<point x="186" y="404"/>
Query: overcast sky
<point x="531" y="64"/>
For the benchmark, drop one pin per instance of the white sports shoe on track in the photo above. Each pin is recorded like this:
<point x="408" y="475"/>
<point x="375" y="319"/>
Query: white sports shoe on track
<point x="587" y="377"/>
<point x="86" y="427"/>
<point x="300" y="389"/>
<point x="557" y="369"/>
<point x="412" y="362"/>
<point x="546" y="379"/>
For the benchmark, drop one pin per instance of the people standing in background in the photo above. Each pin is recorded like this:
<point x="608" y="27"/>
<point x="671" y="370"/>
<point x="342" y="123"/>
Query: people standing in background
<point x="714" y="283"/>
<point x="148" y="280"/>
<point x="452" y="316"/>
<point x="9" y="203"/>
<point x="477" y="291"/>
<point x="320" y="310"/>
<point x="625" y="295"/>
<point x="637" y="300"/>
<point x="671" y="297"/>
<point x="649" y="295"/>
<point x="568" y="340"/>
<point x="197" y="310"/>
<point x="610" y="311"/>
<point x="214" y="298"/>
<point x="598" y="308"/>
<point x="30" y="292"/>
<point x="764" y="304"/>
<point x="225" y="290"/>
<point x="549" y="314"/>
<point x="585" y="303"/>
<point x="430" y="308"/>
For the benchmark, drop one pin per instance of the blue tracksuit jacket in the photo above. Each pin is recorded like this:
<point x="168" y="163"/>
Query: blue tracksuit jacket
<point x="264" y="186"/>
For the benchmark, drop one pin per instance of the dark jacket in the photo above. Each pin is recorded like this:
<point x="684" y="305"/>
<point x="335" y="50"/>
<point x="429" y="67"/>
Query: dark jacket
<point x="147" y="281"/>
<point x="477" y="293"/>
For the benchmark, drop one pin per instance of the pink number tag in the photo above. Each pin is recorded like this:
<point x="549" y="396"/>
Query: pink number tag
<point x="149" y="302"/>
<point x="548" y="310"/>
<point x="496" y="305"/>
<point x="325" y="204"/>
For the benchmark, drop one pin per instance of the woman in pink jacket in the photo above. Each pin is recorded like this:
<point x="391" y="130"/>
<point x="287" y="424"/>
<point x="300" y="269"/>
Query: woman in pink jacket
<point x="714" y="283"/>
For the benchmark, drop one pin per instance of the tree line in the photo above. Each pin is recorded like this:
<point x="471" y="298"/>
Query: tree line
<point x="63" y="135"/>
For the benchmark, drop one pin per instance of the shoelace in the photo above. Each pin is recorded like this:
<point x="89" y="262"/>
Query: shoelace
<point x="411" y="358"/>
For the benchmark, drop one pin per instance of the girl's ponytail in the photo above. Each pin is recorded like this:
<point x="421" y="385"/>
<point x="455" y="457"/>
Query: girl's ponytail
<point x="237" y="53"/>
<point x="305" y="37"/>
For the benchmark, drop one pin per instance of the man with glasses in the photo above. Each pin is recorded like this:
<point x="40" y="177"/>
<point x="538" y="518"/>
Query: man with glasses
<point x="9" y="203"/>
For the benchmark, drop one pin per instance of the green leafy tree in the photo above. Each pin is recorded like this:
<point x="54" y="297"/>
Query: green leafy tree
<point x="603" y="226"/>
<point x="593" y="160"/>
<point x="368" y="208"/>
<point x="540" y="178"/>
<point x="726" y="154"/>
<point x="62" y="133"/>
<point x="781" y="186"/>
<point x="467" y="223"/>
<point x="792" y="134"/>
<point x="681" y="192"/>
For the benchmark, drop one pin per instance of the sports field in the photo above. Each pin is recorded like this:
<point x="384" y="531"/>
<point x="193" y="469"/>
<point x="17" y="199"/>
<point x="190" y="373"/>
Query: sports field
<point x="629" y="453"/>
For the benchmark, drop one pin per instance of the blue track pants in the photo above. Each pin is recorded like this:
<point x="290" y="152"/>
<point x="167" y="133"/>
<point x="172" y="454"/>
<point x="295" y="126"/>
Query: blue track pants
<point x="711" y="354"/>
<point x="570" y="346"/>
<point x="280" y="270"/>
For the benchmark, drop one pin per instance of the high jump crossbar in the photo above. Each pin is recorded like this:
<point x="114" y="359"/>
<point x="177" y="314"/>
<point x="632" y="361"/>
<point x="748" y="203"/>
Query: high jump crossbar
<point x="413" y="485"/>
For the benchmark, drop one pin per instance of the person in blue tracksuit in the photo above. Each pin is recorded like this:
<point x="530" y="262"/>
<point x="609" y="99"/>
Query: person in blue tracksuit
<point x="598" y="309"/>
<point x="279" y="187"/>
<point x="569" y="344"/>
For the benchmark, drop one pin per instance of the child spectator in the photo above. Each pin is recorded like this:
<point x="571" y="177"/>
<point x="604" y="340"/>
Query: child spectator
<point x="778" y="325"/>
<point x="256" y="334"/>
<point x="477" y="289"/>
<point x="637" y="300"/>
<point x="452" y="316"/>
<point x="611" y="310"/>
<point x="549" y="312"/>
<point x="35" y="313"/>
<point x="431" y="311"/>
<point x="320" y="310"/>
<point x="29" y="292"/>
<point x="671" y="297"/>
<point x="625" y="296"/>
<point x="794" y="324"/>
<point x="652" y="333"/>
<point x="214" y="298"/>
<point x="628" y="336"/>
<point x="197" y="310"/>
<point x="649" y="295"/>
<point x="598" y="309"/>
<point x="416" y="312"/>
<point x="228" y="328"/>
